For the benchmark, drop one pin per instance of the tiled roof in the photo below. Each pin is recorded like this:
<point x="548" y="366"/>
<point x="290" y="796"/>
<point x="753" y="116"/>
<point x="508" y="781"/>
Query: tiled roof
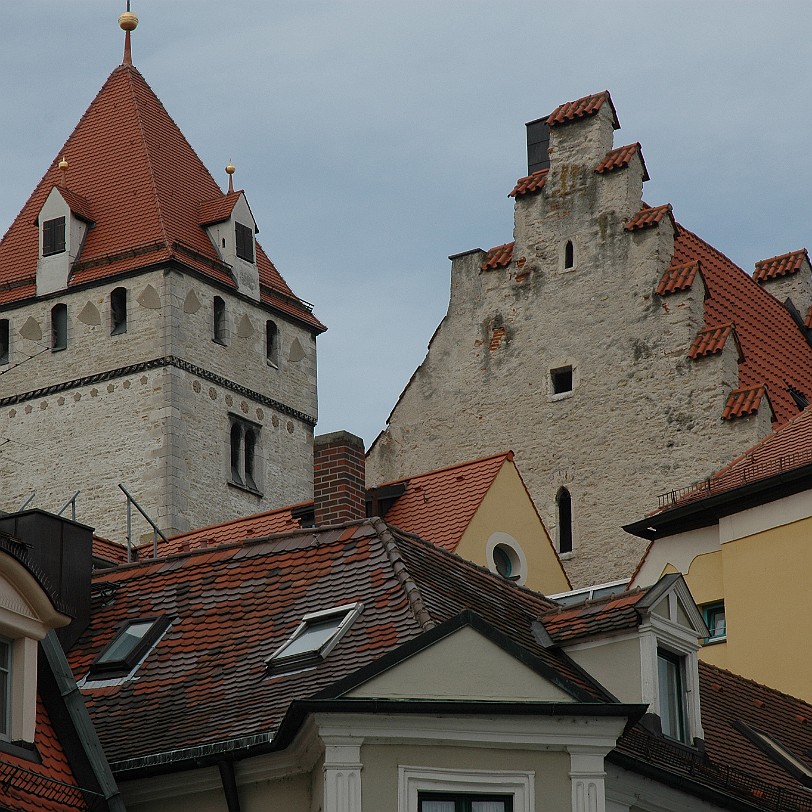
<point x="499" y="257"/>
<point x="620" y="158"/>
<point x="581" y="108"/>
<point x="439" y="506"/>
<point x="530" y="184"/>
<point x="783" y="265"/>
<point x="145" y="200"/>
<point x="111" y="551"/>
<point x="775" y="351"/>
<point x="217" y="210"/>
<point x="614" y="613"/>
<point x="47" y="786"/>
<point x="232" y="607"/>
<point x="710" y="341"/>
<point x="649" y="217"/>
<point x="678" y="278"/>
<point x="77" y="204"/>
<point x="743" y="402"/>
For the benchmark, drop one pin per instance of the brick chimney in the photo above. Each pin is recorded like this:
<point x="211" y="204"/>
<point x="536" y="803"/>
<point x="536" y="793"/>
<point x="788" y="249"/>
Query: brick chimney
<point x="339" y="478"/>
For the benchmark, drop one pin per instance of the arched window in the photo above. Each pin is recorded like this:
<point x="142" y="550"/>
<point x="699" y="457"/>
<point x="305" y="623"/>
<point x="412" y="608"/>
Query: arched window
<point x="564" y="504"/>
<point x="236" y="447"/>
<point x="250" y="455"/>
<point x="569" y="255"/>
<point x="245" y="454"/>
<point x="4" y="341"/>
<point x="59" y="327"/>
<point x="272" y="343"/>
<point x="118" y="311"/>
<point x="219" y="311"/>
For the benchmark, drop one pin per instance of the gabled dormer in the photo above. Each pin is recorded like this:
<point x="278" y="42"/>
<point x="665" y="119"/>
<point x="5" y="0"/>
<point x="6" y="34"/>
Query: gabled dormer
<point x="63" y="223"/>
<point x="231" y="228"/>
<point x="642" y="646"/>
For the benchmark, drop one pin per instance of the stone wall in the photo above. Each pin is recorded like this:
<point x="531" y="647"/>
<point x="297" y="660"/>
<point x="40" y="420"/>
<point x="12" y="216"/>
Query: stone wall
<point x="152" y="407"/>
<point x="641" y="417"/>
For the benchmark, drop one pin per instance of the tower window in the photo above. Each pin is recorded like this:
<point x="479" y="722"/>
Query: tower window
<point x="4" y="341"/>
<point x="118" y="311"/>
<point x="219" y="333"/>
<point x="245" y="242"/>
<point x="53" y="236"/>
<point x="561" y="380"/>
<point x="569" y="255"/>
<point x="272" y="343"/>
<point x="564" y="504"/>
<point x="244" y="454"/>
<point x="59" y="327"/>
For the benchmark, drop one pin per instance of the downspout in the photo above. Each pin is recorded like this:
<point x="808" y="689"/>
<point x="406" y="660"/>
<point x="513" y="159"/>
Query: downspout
<point x="229" y="781"/>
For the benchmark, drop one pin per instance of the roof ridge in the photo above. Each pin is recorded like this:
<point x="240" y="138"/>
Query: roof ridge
<point x="412" y="590"/>
<point x="508" y="455"/>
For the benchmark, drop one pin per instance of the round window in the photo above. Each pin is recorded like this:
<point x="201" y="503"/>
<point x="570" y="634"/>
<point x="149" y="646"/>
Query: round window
<point x="505" y="557"/>
<point x="501" y="557"/>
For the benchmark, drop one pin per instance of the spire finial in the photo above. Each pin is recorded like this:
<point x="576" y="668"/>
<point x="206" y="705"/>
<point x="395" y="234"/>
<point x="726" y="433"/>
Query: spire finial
<point x="63" y="167"/>
<point x="230" y="170"/>
<point x="128" y="22"/>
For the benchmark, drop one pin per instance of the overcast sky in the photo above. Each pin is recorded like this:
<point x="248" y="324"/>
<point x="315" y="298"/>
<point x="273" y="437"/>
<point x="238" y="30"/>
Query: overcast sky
<point x="374" y="139"/>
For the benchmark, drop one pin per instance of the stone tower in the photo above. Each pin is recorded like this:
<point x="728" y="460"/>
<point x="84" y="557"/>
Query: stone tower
<point x="616" y="353"/>
<point x="146" y="339"/>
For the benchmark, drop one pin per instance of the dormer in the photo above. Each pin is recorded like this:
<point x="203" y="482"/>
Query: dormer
<point x="642" y="646"/>
<point x="231" y="228"/>
<point x="63" y="223"/>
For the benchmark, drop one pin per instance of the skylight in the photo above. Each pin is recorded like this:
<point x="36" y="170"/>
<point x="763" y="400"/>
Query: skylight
<point x="314" y="638"/>
<point x="780" y="754"/>
<point x="128" y="647"/>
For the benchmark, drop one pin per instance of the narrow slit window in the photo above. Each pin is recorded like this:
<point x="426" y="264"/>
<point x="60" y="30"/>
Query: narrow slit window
<point x="59" y="327"/>
<point x="5" y="336"/>
<point x="53" y="236"/>
<point x="245" y="242"/>
<point x="118" y="311"/>
<point x="564" y="502"/>
<point x="272" y="343"/>
<point x="569" y="255"/>
<point x="219" y="314"/>
<point x="250" y="457"/>
<point x="236" y="448"/>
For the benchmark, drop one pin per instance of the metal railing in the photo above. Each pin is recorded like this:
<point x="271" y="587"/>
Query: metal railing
<point x="155" y="530"/>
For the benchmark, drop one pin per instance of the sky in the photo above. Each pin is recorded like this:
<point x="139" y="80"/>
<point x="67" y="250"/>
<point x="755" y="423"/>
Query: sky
<point x="375" y="139"/>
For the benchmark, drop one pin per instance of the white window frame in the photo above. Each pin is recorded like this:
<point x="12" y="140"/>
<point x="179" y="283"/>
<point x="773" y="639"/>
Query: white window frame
<point x="513" y="550"/>
<point x="517" y="783"/>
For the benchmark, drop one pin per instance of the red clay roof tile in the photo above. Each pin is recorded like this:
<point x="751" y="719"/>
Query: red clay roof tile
<point x="144" y="199"/>
<point x="530" y="184"/>
<point x="619" y="158"/>
<point x="581" y="108"/>
<point x="77" y="204"/>
<point x="678" y="278"/>
<point x="743" y="402"/>
<point x="710" y="341"/>
<point x="499" y="257"/>
<point x="612" y="613"/>
<point x="783" y="265"/>
<point x="649" y="217"/>
<point x="217" y="210"/>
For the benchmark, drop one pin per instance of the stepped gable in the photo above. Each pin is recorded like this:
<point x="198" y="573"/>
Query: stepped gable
<point x="582" y="108"/>
<point x="784" y="265"/>
<point x="144" y="184"/>
<point x="439" y="505"/>
<point x="678" y="278"/>
<point x="619" y="159"/>
<point x="232" y="607"/>
<point x="776" y="354"/>
<point x="499" y="257"/>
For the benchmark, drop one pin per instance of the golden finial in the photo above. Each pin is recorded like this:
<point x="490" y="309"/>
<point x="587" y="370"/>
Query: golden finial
<point x="230" y="170"/>
<point x="128" y="22"/>
<point x="63" y="164"/>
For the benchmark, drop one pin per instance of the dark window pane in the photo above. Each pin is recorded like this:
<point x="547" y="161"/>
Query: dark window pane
<point x="564" y="521"/>
<point x="4" y="341"/>
<point x="53" y="236"/>
<point x="245" y="242"/>
<point x="271" y="343"/>
<point x="118" y="311"/>
<point x="126" y="641"/>
<point x="250" y="449"/>
<point x="561" y="380"/>
<point x="219" y="320"/>
<point x="569" y="255"/>
<point x="236" y="442"/>
<point x="59" y="327"/>
<point x="672" y="695"/>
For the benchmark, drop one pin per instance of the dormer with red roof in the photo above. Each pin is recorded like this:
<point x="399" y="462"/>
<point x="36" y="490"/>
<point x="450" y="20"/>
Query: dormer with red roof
<point x="149" y="336"/>
<point x="789" y="278"/>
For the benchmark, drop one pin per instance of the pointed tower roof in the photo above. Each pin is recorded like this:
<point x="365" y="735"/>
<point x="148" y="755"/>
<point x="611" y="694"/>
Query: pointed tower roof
<point x="145" y="183"/>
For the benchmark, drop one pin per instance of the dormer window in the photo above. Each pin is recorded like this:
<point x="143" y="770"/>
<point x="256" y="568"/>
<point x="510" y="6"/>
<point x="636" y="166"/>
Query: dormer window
<point x="673" y="700"/>
<point x="245" y="242"/>
<point x="314" y="638"/>
<point x="53" y="236"/>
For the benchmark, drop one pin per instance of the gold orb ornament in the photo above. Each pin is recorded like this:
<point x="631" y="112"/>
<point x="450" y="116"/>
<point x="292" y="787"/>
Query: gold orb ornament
<point x="231" y="169"/>
<point x="63" y="164"/>
<point x="128" y="21"/>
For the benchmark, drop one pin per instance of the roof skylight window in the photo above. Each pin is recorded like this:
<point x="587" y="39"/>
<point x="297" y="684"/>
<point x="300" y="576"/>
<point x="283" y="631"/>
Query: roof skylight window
<point x="128" y="647"/>
<point x="780" y="754"/>
<point x="314" y="638"/>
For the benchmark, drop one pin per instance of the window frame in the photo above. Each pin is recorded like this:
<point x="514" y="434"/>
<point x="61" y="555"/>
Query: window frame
<point x="124" y="666"/>
<point x="414" y="780"/>
<point x="278" y="662"/>
<point x="244" y="242"/>
<point x="677" y="699"/>
<point x="463" y="800"/>
<point x="59" y="329"/>
<point x="53" y="236"/>
<point x="272" y="343"/>
<point x="563" y="521"/>
<point x="6" y="695"/>
<point x="245" y="466"/>
<point x="557" y="390"/>
<point x="5" y="341"/>
<point x="118" y="311"/>
<point x="711" y="612"/>
<point x="218" y="325"/>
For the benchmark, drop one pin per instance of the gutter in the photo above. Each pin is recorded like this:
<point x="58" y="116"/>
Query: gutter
<point x="707" y="511"/>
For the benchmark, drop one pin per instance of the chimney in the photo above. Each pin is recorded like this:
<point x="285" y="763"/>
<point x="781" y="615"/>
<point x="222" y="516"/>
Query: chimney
<point x="339" y="478"/>
<point x="538" y="144"/>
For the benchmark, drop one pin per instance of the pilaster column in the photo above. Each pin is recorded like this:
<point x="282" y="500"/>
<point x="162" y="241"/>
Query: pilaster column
<point x="342" y="774"/>
<point x="587" y="777"/>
